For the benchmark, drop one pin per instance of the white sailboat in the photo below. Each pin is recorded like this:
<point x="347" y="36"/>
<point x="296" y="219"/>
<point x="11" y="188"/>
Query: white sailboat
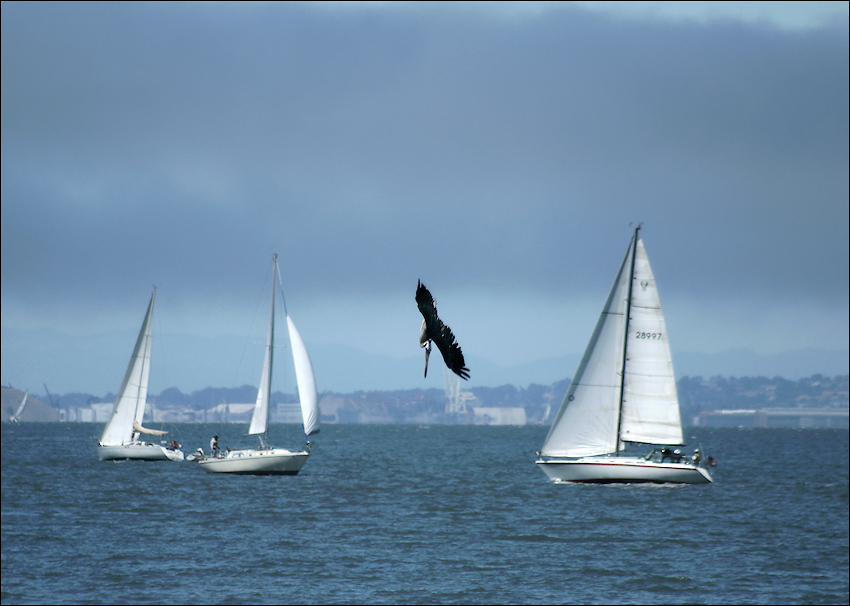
<point x="16" y="418"/>
<point x="265" y="459"/>
<point x="121" y="436"/>
<point x="623" y="393"/>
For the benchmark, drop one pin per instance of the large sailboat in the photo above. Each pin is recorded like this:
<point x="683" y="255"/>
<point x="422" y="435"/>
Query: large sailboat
<point x="121" y="437"/>
<point x="623" y="394"/>
<point x="266" y="460"/>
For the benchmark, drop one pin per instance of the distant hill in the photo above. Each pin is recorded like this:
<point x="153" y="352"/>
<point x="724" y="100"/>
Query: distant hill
<point x="792" y="365"/>
<point x="354" y="370"/>
<point x="346" y="368"/>
<point x="35" y="410"/>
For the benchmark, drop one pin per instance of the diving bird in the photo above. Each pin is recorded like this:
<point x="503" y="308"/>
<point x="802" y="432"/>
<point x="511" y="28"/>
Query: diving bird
<point x="434" y="330"/>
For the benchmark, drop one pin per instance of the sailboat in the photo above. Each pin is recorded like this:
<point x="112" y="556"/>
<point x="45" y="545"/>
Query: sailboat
<point x="16" y="418"/>
<point x="121" y="436"/>
<point x="623" y="394"/>
<point x="266" y="460"/>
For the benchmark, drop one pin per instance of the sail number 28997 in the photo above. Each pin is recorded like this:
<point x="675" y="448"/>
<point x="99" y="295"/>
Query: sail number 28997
<point x="652" y="336"/>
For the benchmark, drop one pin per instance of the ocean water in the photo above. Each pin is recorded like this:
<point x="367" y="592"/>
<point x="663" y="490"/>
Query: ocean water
<point x="414" y="514"/>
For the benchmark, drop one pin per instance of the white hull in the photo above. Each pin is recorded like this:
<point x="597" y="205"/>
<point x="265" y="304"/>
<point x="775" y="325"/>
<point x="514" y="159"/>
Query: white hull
<point x="140" y="451"/>
<point x="622" y="470"/>
<point x="272" y="461"/>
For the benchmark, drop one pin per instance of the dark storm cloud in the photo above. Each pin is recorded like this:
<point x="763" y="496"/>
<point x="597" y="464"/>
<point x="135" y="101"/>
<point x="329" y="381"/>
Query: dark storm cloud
<point x="180" y="143"/>
<point x="522" y="140"/>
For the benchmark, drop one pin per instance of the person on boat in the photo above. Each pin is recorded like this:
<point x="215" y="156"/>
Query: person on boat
<point x="214" y="446"/>
<point x="696" y="457"/>
<point x="675" y="456"/>
<point x="174" y="445"/>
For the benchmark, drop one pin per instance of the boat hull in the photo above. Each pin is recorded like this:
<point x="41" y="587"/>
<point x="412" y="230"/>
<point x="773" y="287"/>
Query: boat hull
<point x="272" y="461"/>
<point x="607" y="470"/>
<point x="140" y="451"/>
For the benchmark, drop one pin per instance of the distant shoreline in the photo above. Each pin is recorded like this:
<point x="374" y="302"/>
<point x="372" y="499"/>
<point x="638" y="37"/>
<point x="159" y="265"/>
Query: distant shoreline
<point x="814" y="401"/>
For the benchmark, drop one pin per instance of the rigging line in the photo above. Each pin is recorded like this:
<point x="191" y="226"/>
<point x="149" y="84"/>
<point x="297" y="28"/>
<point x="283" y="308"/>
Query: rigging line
<point x="261" y="301"/>
<point x="280" y="286"/>
<point x="158" y="345"/>
<point x="285" y="379"/>
<point x="159" y="361"/>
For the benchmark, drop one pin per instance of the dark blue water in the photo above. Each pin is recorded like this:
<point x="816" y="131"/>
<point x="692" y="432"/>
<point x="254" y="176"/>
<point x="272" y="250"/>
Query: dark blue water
<point x="407" y="514"/>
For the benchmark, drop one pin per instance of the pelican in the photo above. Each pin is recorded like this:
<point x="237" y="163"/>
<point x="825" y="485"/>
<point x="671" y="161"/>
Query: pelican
<point x="434" y="330"/>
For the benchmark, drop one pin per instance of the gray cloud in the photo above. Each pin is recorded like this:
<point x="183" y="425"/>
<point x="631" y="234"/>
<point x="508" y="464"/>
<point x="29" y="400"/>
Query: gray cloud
<point x="181" y="144"/>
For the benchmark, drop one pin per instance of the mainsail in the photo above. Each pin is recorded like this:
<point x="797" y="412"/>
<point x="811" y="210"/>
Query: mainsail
<point x="260" y="418"/>
<point x="129" y="408"/>
<point x="601" y="411"/>
<point x="151" y="432"/>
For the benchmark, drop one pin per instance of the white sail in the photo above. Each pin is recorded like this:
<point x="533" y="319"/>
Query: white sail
<point x="132" y="396"/>
<point x="17" y="416"/>
<point x="260" y="418"/>
<point x="586" y="423"/>
<point x="306" y="381"/>
<point x="650" y="412"/>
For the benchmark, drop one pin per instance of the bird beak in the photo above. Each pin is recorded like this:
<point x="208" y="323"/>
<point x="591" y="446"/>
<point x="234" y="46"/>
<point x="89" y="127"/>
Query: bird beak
<point x="427" y="353"/>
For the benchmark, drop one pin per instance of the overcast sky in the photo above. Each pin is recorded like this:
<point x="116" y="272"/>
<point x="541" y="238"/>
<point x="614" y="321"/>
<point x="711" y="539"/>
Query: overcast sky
<point x="501" y="153"/>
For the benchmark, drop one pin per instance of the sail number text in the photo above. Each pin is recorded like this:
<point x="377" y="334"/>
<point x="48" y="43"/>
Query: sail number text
<point x="653" y="336"/>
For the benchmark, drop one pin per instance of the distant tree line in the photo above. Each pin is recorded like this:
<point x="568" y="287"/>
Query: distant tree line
<point x="716" y="393"/>
<point x="696" y="394"/>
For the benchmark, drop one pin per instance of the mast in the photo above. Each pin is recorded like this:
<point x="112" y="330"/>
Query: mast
<point x="141" y="398"/>
<point x="268" y="383"/>
<point x="626" y="338"/>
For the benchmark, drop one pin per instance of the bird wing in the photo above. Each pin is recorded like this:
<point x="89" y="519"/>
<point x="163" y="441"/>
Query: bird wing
<point x="452" y="355"/>
<point x="440" y="334"/>
<point x="426" y="305"/>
